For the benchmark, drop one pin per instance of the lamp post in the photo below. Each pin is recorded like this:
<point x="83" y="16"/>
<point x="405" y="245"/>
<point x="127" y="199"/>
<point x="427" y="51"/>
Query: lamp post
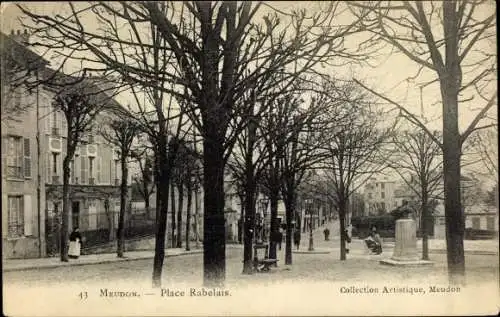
<point x="311" y="242"/>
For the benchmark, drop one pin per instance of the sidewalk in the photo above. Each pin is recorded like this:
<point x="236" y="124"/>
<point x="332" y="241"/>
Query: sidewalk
<point x="53" y="262"/>
<point x="480" y="247"/>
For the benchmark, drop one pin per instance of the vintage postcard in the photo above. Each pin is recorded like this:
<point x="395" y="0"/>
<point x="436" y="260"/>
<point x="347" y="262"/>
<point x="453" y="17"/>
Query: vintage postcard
<point x="220" y="158"/>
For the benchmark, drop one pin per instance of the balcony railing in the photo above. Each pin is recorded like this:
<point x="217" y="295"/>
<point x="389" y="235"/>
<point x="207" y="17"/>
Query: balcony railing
<point x="91" y="181"/>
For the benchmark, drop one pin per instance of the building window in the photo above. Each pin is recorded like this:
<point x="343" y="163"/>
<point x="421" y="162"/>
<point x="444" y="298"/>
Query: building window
<point x="54" y="163"/>
<point x="370" y="195"/>
<point x="18" y="157"/>
<point x="54" y="126"/>
<point x="490" y="223"/>
<point x="382" y="194"/>
<point x="382" y="185"/>
<point x="83" y="166"/>
<point x="16" y="216"/>
<point x="91" y="170"/>
<point x="14" y="157"/>
<point x="476" y="223"/>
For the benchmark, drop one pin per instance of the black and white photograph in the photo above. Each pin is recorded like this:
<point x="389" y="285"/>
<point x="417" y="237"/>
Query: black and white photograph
<point x="246" y="158"/>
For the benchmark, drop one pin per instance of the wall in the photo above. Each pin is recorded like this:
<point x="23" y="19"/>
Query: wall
<point x="32" y="243"/>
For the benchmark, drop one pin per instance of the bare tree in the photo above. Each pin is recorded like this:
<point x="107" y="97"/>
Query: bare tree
<point x="121" y="132"/>
<point x="460" y="56"/>
<point x="301" y="148"/>
<point x="80" y="105"/>
<point x="418" y="162"/>
<point x="355" y="142"/>
<point x="144" y="181"/>
<point x="212" y="45"/>
<point x="485" y="145"/>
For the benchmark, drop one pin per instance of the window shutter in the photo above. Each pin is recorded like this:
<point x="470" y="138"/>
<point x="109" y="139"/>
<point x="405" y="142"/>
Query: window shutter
<point x="76" y="166"/>
<point x="111" y="173"/>
<point x="64" y="125"/>
<point x="27" y="158"/>
<point x="59" y="166"/>
<point x="99" y="163"/>
<point x="48" y="167"/>
<point x="28" y="216"/>
<point x="59" y="121"/>
<point x="83" y="162"/>
<point x="46" y="116"/>
<point x="50" y="115"/>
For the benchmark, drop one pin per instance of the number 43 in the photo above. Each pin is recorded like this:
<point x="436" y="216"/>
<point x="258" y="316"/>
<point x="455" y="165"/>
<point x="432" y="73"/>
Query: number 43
<point x="83" y="295"/>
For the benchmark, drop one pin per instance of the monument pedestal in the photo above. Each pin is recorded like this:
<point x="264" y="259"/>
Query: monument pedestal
<point x="405" y="251"/>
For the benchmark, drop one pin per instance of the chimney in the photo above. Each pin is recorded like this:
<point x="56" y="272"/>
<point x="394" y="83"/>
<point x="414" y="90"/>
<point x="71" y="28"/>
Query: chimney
<point x="21" y="38"/>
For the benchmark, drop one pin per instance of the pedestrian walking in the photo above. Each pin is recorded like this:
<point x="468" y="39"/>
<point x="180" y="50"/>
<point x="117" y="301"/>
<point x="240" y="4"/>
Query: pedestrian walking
<point x="326" y="232"/>
<point x="348" y="238"/>
<point x="296" y="238"/>
<point x="280" y="237"/>
<point x="75" y="243"/>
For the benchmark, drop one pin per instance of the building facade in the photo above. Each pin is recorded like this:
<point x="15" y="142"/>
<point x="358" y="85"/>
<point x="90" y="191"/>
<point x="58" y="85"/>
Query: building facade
<point x="33" y="148"/>
<point x="379" y="195"/>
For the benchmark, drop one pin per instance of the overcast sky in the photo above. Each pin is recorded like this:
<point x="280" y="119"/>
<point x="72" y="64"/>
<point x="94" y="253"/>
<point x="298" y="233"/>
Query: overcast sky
<point x="388" y="77"/>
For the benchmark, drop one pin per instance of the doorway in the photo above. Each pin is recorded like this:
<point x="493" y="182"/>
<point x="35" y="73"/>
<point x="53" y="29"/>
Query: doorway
<point x="75" y="214"/>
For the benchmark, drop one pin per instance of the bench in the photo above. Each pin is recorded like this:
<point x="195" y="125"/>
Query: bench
<point x="262" y="264"/>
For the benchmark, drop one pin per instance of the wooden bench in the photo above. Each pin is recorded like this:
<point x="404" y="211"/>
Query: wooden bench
<point x="262" y="264"/>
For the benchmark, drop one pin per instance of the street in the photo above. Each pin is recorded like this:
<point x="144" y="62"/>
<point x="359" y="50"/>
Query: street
<point x="315" y="284"/>
<point x="187" y="269"/>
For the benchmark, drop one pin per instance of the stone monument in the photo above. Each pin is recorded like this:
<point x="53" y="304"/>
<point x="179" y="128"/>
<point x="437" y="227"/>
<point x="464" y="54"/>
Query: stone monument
<point x="405" y="250"/>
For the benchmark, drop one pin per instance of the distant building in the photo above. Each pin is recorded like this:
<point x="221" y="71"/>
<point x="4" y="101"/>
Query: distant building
<point x="478" y="215"/>
<point x="379" y="195"/>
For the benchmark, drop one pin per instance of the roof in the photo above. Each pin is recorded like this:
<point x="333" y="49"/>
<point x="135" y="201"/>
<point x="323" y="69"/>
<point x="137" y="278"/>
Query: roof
<point x="20" y="54"/>
<point x="102" y="88"/>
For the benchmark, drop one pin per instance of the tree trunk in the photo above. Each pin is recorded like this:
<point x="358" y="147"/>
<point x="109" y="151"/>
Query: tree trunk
<point x="188" y="215"/>
<point x="179" y="215"/>
<point x="454" y="216"/>
<point x="65" y="211"/>
<point x="111" y="220"/>
<point x="214" y="243"/>
<point x="249" y="226"/>
<point x="273" y="201"/>
<point x="173" y="224"/>
<point x="342" y="218"/>
<point x="424" y="224"/>
<point x="146" y="204"/>
<point x="250" y="191"/>
<point x="241" y="222"/>
<point x="450" y="81"/>
<point x="163" y="187"/>
<point x="196" y="215"/>
<point x="290" y="209"/>
<point x="123" y="207"/>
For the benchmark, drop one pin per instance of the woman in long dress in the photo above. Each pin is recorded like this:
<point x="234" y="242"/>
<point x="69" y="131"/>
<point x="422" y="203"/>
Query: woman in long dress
<point x="75" y="241"/>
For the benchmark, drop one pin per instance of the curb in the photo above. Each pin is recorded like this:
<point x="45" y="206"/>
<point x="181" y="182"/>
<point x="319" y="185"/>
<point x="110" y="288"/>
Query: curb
<point x="473" y="252"/>
<point x="115" y="260"/>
